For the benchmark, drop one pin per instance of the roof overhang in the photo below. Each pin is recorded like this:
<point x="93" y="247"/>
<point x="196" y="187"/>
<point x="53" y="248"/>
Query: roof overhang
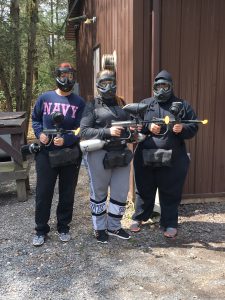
<point x="71" y="26"/>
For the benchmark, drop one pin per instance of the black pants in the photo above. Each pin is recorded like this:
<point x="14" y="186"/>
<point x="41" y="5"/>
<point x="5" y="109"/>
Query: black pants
<point x="168" y="180"/>
<point x="46" y="179"/>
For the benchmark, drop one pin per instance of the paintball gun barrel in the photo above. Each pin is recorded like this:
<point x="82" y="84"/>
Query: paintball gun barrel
<point x="136" y="109"/>
<point x="133" y="123"/>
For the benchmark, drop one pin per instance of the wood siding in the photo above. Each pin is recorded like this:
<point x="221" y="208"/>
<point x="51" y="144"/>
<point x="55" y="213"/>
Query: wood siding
<point x="184" y="37"/>
<point x="193" y="50"/>
<point x="114" y="30"/>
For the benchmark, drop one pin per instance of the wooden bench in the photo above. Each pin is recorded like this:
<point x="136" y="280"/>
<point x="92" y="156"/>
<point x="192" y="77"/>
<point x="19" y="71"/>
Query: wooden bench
<point x="14" y="124"/>
<point x="9" y="171"/>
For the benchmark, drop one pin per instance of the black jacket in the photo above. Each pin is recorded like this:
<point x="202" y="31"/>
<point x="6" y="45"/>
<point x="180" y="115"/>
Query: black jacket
<point x="97" y="117"/>
<point x="169" y="140"/>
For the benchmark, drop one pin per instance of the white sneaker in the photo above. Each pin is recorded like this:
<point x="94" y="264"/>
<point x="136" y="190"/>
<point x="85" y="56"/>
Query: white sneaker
<point x="38" y="240"/>
<point x="64" y="237"/>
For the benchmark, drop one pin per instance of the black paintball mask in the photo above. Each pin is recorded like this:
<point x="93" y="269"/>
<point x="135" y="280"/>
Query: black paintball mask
<point x="162" y="89"/>
<point x="65" y="78"/>
<point x="106" y="85"/>
<point x="163" y="86"/>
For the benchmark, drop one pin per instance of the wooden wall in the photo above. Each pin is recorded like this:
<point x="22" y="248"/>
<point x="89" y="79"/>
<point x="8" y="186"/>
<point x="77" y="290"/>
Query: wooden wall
<point x="115" y="30"/>
<point x="193" y="50"/>
<point x="186" y="38"/>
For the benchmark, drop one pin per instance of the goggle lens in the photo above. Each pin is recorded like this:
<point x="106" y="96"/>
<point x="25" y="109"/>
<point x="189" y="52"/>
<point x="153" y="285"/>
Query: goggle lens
<point x="159" y="86"/>
<point x="105" y="83"/>
<point x="68" y="75"/>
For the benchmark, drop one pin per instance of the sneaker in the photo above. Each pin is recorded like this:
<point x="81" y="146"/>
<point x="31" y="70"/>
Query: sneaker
<point x="64" y="237"/>
<point x="120" y="233"/>
<point x="101" y="236"/>
<point x="38" y="240"/>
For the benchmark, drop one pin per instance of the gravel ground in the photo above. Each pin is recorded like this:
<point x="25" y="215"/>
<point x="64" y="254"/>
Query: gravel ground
<point x="148" y="266"/>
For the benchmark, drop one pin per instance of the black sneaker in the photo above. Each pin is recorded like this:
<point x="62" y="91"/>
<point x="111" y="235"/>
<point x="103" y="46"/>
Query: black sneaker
<point x="120" y="233"/>
<point x="101" y="236"/>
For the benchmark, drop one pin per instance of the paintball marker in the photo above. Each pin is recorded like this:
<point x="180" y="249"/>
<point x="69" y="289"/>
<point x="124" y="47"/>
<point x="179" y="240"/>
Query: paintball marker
<point x="57" y="119"/>
<point x="135" y="110"/>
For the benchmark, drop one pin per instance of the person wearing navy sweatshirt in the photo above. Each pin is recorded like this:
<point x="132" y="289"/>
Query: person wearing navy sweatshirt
<point x="64" y="101"/>
<point x="161" y="161"/>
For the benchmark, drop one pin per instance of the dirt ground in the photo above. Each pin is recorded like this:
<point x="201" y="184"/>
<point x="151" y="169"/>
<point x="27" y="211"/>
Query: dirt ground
<point x="148" y="266"/>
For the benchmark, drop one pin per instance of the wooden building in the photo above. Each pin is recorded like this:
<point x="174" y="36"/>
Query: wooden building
<point x="184" y="37"/>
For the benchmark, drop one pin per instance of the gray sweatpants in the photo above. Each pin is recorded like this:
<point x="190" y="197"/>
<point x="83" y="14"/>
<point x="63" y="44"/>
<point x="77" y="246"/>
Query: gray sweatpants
<point x="117" y="180"/>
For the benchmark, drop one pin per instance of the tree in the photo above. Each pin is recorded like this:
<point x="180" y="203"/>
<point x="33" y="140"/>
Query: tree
<point x="32" y="44"/>
<point x="31" y="53"/>
<point x="15" y="34"/>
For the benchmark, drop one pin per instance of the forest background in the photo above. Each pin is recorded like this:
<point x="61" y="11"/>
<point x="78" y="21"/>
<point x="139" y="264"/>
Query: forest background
<point x="32" y="44"/>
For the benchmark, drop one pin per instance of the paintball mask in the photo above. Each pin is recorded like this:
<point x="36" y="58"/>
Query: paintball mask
<point x="65" y="78"/>
<point x="162" y="89"/>
<point x="106" y="85"/>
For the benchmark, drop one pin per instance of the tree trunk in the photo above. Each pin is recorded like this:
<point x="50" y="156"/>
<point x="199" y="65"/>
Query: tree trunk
<point x="33" y="12"/>
<point x="15" y="33"/>
<point x="57" y="26"/>
<point x="52" y="36"/>
<point x="5" y="87"/>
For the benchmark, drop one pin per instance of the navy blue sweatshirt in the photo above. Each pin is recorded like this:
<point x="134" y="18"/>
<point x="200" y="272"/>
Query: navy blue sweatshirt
<point x="70" y="106"/>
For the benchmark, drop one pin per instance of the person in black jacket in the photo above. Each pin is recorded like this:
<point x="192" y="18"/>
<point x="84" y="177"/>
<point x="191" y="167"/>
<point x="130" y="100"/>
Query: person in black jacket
<point x="105" y="170"/>
<point x="161" y="160"/>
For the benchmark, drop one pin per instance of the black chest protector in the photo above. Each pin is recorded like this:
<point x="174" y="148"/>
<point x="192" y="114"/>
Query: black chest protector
<point x="105" y="113"/>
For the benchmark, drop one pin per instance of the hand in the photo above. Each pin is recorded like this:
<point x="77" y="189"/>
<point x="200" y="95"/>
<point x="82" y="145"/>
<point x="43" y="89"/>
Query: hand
<point x="116" y="130"/>
<point x="177" y="128"/>
<point x="58" y="141"/>
<point x="154" y="128"/>
<point x="43" y="138"/>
